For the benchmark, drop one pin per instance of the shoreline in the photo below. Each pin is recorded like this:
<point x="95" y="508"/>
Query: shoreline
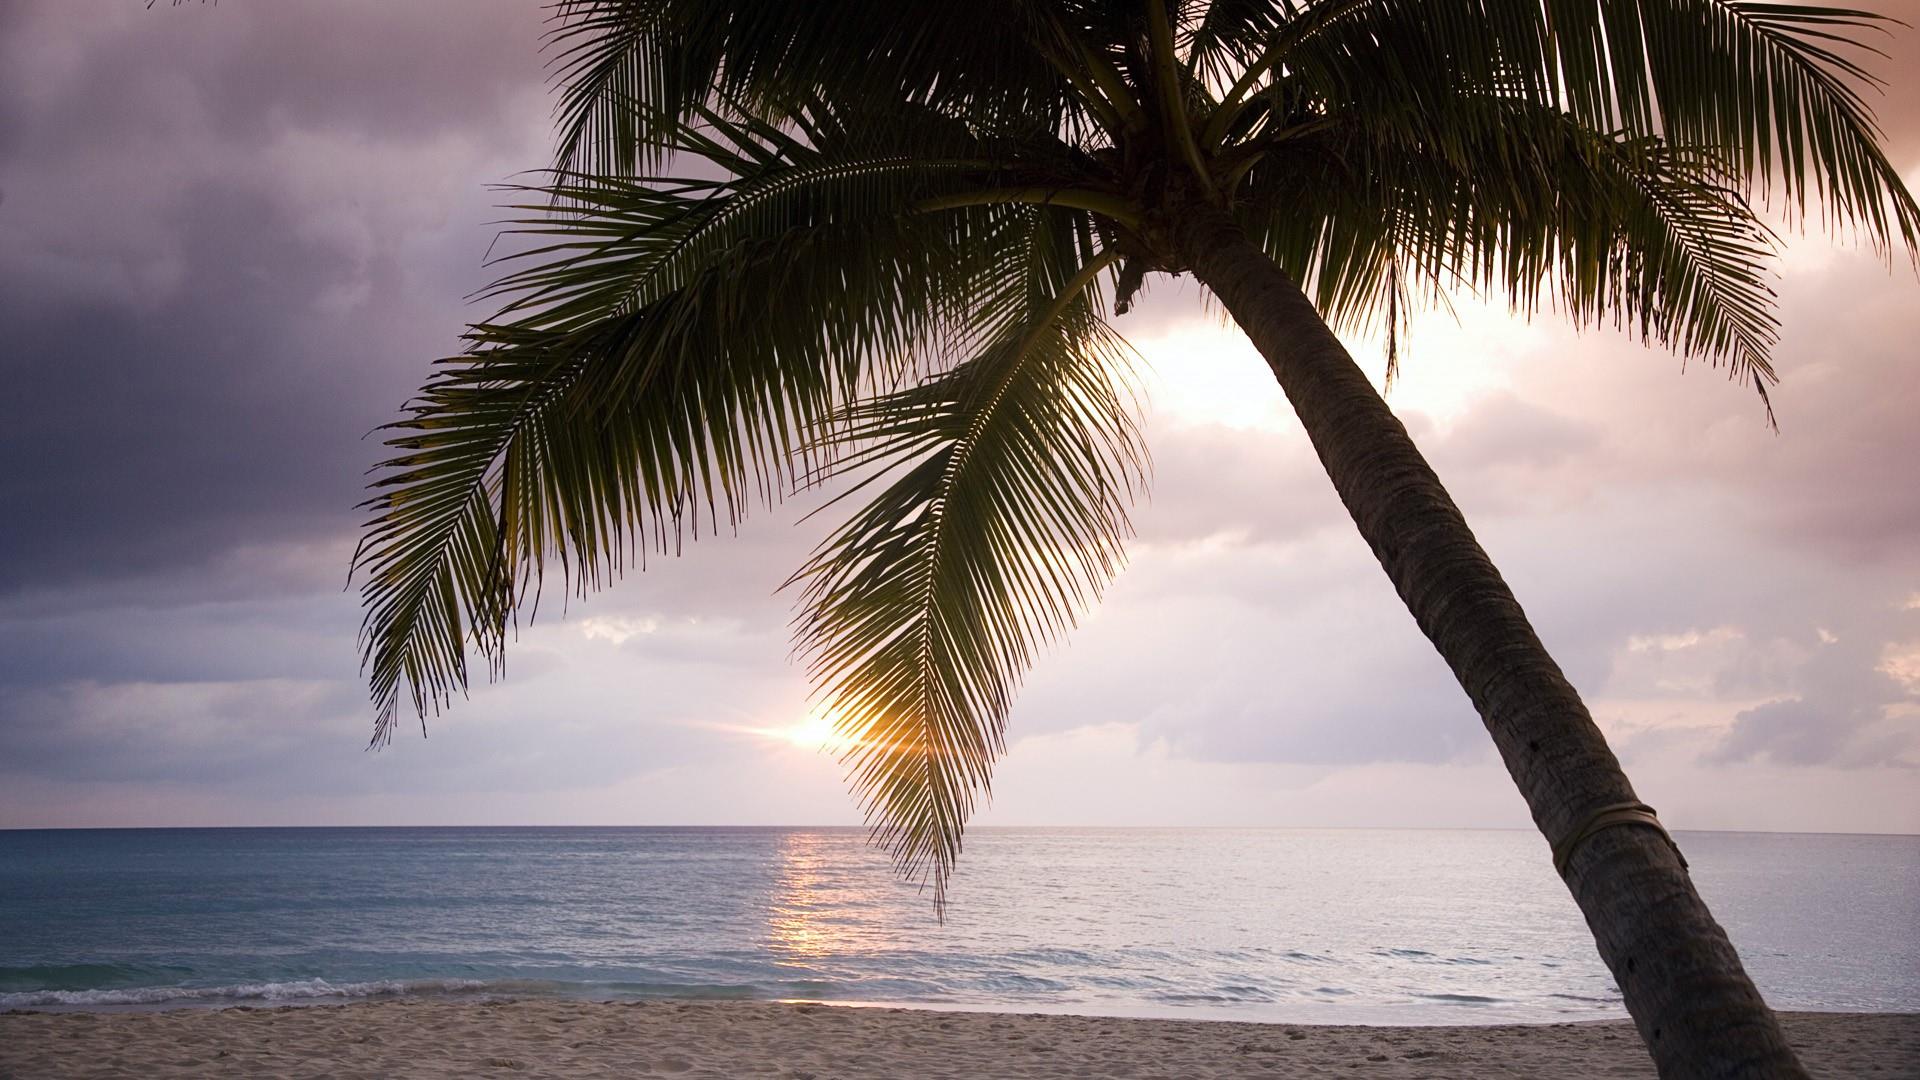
<point x="798" y="1041"/>
<point x="1304" y="1009"/>
<point x="1324" y="1015"/>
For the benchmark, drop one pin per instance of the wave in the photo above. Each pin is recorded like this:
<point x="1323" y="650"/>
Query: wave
<point x="86" y="976"/>
<point x="1221" y="995"/>
<point x="291" y="991"/>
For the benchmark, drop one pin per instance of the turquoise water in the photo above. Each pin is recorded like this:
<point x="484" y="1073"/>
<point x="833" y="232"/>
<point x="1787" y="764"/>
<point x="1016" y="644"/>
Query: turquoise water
<point x="1332" y="926"/>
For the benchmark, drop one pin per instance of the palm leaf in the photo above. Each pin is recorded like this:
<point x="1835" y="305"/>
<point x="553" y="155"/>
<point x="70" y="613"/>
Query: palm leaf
<point x="1776" y="90"/>
<point x="1528" y="203"/>
<point x="922" y="613"/>
<point x="670" y="349"/>
<point x="631" y="71"/>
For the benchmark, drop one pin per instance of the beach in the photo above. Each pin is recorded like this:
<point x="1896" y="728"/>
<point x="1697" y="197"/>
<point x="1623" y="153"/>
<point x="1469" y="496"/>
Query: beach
<point x="1071" y="953"/>
<point x="820" y="1042"/>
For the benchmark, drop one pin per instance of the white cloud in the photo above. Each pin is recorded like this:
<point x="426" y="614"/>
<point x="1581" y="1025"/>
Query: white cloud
<point x="1676" y="642"/>
<point x="1901" y="661"/>
<point x="618" y="629"/>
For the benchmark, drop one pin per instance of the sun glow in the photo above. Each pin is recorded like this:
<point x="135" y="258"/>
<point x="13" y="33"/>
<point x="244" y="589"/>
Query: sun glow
<point x="814" y="731"/>
<point x="1200" y="371"/>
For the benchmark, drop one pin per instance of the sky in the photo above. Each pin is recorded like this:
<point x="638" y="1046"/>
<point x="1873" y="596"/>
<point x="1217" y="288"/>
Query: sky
<point x="232" y="236"/>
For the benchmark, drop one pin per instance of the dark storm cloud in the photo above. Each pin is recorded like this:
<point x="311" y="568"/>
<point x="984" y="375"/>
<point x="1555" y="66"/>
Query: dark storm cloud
<point x="257" y="69"/>
<point x="230" y="238"/>
<point x="167" y="731"/>
<point x="196" y="313"/>
<point x="138" y="441"/>
<point x="298" y="635"/>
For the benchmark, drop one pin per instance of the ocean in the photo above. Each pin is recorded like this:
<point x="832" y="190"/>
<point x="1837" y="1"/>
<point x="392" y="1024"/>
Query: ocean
<point x="1321" y="926"/>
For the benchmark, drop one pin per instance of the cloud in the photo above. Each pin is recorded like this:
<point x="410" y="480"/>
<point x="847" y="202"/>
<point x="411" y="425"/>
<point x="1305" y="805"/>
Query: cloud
<point x="1795" y="731"/>
<point x="1853" y="703"/>
<point x="232" y="236"/>
<point x="166" y="731"/>
<point x="228" y="239"/>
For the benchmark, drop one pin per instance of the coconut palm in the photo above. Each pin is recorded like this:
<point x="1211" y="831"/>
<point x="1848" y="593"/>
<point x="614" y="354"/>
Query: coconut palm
<point x="790" y="242"/>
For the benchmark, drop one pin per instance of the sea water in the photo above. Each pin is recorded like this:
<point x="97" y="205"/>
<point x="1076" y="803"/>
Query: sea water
<point x="1331" y="926"/>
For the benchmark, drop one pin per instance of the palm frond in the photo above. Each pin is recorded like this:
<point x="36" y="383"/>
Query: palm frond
<point x="1219" y="37"/>
<point x="630" y="71"/>
<point x="1776" y="90"/>
<point x="1527" y="203"/>
<point x="922" y="613"/>
<point x="672" y="345"/>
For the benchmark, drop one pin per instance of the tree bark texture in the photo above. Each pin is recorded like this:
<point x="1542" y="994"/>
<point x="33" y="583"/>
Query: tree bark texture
<point x="1695" y="1007"/>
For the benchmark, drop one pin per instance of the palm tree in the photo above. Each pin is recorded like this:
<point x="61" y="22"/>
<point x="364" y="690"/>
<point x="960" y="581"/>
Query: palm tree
<point x="787" y="242"/>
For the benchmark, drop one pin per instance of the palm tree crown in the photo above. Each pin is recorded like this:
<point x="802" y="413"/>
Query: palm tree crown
<point x="784" y="242"/>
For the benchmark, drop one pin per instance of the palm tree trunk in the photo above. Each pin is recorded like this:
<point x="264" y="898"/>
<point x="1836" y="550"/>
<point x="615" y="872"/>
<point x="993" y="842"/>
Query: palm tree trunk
<point x="1698" y="1012"/>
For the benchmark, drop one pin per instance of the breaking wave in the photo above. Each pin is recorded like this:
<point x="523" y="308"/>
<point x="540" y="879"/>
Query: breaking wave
<point x="297" y="990"/>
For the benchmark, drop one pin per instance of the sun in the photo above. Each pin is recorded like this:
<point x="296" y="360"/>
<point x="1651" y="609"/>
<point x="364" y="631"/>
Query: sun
<point x="814" y="731"/>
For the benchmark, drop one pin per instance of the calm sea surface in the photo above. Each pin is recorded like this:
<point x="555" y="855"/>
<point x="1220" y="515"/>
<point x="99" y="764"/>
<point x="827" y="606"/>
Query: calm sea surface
<point x="1331" y="926"/>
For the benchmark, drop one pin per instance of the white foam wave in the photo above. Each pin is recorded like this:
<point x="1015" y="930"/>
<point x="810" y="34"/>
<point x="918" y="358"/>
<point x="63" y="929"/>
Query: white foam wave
<point x="296" y="990"/>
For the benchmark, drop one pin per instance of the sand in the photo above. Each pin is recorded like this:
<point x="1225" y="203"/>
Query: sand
<point x="817" y="1042"/>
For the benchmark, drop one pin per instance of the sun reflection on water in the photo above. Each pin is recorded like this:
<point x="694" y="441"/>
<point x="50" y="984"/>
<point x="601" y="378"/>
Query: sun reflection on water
<point x="794" y="921"/>
<point x="818" y="907"/>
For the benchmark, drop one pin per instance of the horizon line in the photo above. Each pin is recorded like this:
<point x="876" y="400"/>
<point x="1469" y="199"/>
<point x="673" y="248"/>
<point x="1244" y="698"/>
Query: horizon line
<point x="976" y="828"/>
